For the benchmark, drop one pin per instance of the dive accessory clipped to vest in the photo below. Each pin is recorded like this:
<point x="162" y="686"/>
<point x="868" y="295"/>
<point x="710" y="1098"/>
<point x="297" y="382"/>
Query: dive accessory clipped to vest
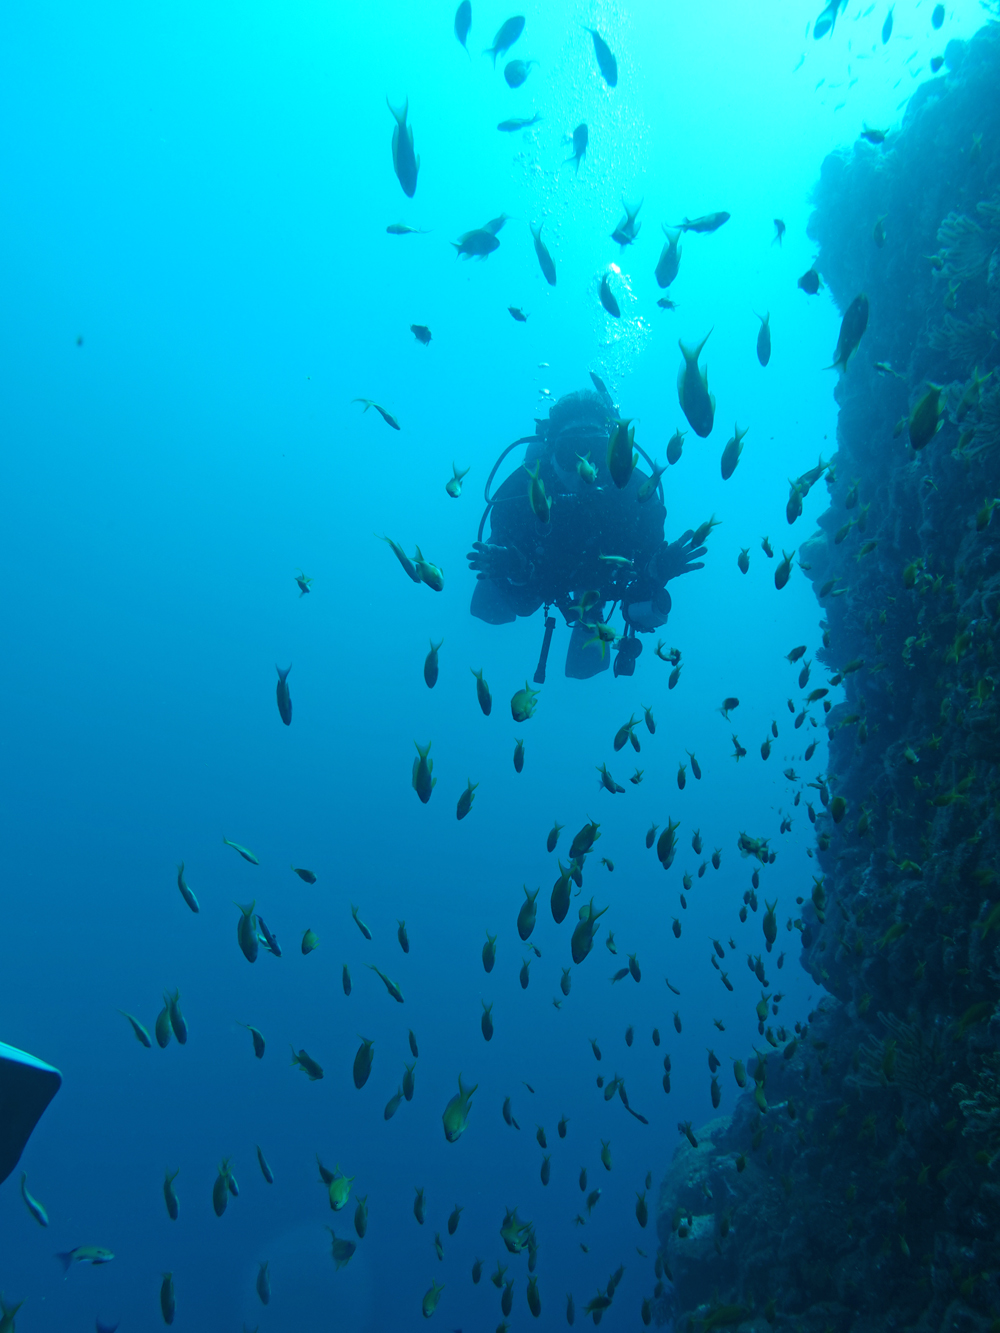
<point x="550" y="624"/>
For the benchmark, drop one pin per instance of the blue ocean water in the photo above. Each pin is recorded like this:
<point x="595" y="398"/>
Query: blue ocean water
<point x="198" y="282"/>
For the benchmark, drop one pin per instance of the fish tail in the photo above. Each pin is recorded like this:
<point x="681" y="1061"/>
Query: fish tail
<point x="282" y="677"/>
<point x="65" y="1257"/>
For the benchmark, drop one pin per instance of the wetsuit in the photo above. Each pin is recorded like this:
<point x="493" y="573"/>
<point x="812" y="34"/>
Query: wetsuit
<point x="598" y="539"/>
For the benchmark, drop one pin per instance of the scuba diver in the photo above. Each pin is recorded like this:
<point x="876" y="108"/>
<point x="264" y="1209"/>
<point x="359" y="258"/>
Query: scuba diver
<point x="583" y="529"/>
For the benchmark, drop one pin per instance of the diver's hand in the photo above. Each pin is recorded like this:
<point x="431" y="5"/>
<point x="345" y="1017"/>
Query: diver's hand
<point x="497" y="562"/>
<point x="679" y="557"/>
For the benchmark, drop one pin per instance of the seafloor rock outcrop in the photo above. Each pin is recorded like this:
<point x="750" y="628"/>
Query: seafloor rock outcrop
<point x="859" y="1187"/>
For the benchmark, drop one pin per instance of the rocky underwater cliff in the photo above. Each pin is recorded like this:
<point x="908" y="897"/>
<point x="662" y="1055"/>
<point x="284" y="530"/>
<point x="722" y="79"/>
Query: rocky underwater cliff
<point x="857" y="1185"/>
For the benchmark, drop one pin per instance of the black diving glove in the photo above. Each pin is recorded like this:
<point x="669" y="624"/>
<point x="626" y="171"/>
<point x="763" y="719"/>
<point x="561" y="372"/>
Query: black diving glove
<point x="676" y="558"/>
<point x="497" y="563"/>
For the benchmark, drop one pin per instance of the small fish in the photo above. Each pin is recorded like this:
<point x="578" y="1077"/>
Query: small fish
<point x="422" y="334"/>
<point x="669" y="261"/>
<point x="357" y="920"/>
<point x="33" y="1206"/>
<point x="387" y="417"/>
<point x="422" y="781"/>
<point x="163" y="1029"/>
<point x="303" y="583"/>
<point x="852" y="330"/>
<point x="827" y="20"/>
<point x="306" y="875"/>
<point x="263" y="1283"/>
<point x="363" y="1062"/>
<point x="258" y="1040"/>
<point x="697" y="404"/>
<point x="431" y="664"/>
<point x="476" y="244"/>
<point x="675" y="445"/>
<point x="516" y="72"/>
<point x="507" y="35"/>
<point x="764" y="339"/>
<point x="887" y="26"/>
<point x="388" y="983"/>
<point x="178" y="1026"/>
<point x="784" y="569"/>
<point x="304" y="1061"/>
<point x="456" y="1114"/>
<point x="401" y="229"/>
<point x="309" y="941"/>
<point x="709" y="222"/>
<point x="779" y="231"/>
<point x="518" y="123"/>
<point x="925" y="420"/>
<point x="540" y="503"/>
<point x="483" y="692"/>
<point x="141" y="1035"/>
<point x="408" y="565"/>
<point x="463" y="22"/>
<point x="523" y="704"/>
<point x="168" y="1300"/>
<point x="665" y="303"/>
<point x="284" y="698"/>
<point x="731" y="453"/>
<point x="581" y="137"/>
<point x="405" y="163"/>
<point x="518" y="316"/>
<point x="267" y="939"/>
<point x="341" y="1251"/>
<point x="627" y="230"/>
<point x="246" y="933"/>
<point x="878" y="232"/>
<point x="404" y="940"/>
<point x="873" y="136"/>
<point x="810" y="282"/>
<point x="265" y="1170"/>
<point x="243" y="851"/>
<point x="84" y="1254"/>
<point x="608" y="298"/>
<point x="545" y="260"/>
<point x="606" y="61"/>
<point x="489" y="952"/>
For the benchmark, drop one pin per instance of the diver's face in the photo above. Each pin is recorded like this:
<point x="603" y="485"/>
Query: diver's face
<point x="573" y="444"/>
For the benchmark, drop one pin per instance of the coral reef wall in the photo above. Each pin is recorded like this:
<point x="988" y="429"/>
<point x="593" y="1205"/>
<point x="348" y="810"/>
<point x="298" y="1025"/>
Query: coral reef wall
<point x="858" y="1188"/>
